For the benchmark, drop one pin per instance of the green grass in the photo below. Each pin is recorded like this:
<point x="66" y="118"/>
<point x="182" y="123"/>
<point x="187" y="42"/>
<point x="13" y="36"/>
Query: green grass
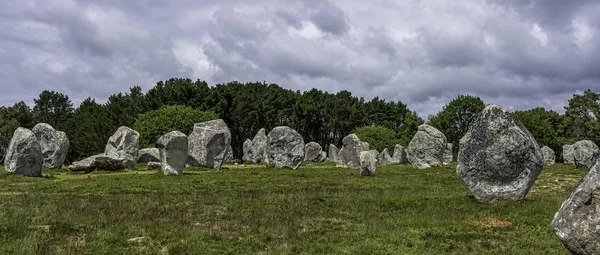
<point x="316" y="209"/>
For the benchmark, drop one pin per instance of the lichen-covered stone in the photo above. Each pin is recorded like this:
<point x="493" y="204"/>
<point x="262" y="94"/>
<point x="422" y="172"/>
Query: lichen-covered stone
<point x="367" y="164"/>
<point x="498" y="157"/>
<point x="333" y="153"/>
<point x="173" y="151"/>
<point x="427" y="147"/>
<point x="400" y="156"/>
<point x="448" y="156"/>
<point x="255" y="149"/>
<point x="585" y="153"/>
<point x="54" y="145"/>
<point x="208" y="144"/>
<point x="549" y="157"/>
<point x="385" y="158"/>
<point x="285" y="147"/>
<point x="577" y="221"/>
<point x="568" y="156"/>
<point x="148" y="155"/>
<point x="349" y="155"/>
<point x="121" y="151"/>
<point x="313" y="152"/>
<point x="24" y="154"/>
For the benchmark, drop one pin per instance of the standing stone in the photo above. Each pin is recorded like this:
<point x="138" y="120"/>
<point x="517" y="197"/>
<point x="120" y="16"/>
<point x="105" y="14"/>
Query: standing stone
<point x="364" y="146"/>
<point x="577" y="221"/>
<point x="549" y="157"/>
<point x="385" y="158"/>
<point x="448" y="154"/>
<point x="333" y="153"/>
<point x="124" y="145"/>
<point x="148" y="155"/>
<point x="349" y="155"/>
<point x="312" y="152"/>
<point x="24" y="154"/>
<point x="585" y="153"/>
<point x="400" y="156"/>
<point x="323" y="156"/>
<point x="208" y="144"/>
<point x="367" y="164"/>
<point x="259" y="146"/>
<point x="285" y="147"/>
<point x="375" y="154"/>
<point x="498" y="157"/>
<point x="427" y="147"/>
<point x="173" y="151"/>
<point x="121" y="151"/>
<point x="568" y="156"/>
<point x="247" y="149"/>
<point x="54" y="145"/>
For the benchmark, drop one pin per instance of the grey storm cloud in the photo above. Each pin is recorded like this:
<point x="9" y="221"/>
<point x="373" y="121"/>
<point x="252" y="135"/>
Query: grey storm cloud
<point x="517" y="53"/>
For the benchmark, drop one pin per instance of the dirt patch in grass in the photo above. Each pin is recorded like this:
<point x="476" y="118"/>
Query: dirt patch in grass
<point x="491" y="222"/>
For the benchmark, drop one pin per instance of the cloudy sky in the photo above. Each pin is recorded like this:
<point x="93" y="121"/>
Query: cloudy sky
<point x="516" y="53"/>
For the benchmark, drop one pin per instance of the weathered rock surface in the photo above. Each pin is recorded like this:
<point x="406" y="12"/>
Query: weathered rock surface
<point x="448" y="156"/>
<point x="349" y="155"/>
<point x="24" y="154"/>
<point x="427" y="147"/>
<point x="121" y="151"/>
<point x="229" y="157"/>
<point x="367" y="164"/>
<point x="285" y="147"/>
<point x="255" y="149"/>
<point x="549" y="157"/>
<point x="385" y="158"/>
<point x="364" y="146"/>
<point x="498" y="157"/>
<point x="585" y="153"/>
<point x="54" y="145"/>
<point x="400" y="156"/>
<point x="568" y="156"/>
<point x="148" y="155"/>
<point x="313" y="152"/>
<point x="124" y="145"/>
<point x="577" y="221"/>
<point x="173" y="150"/>
<point x="208" y="144"/>
<point x="155" y="165"/>
<point x="333" y="153"/>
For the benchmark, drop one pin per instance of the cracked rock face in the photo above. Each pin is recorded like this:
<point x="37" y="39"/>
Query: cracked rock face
<point x="173" y="151"/>
<point x="577" y="221"/>
<point x="24" y="154"/>
<point x="54" y="145"/>
<point x="285" y="147"/>
<point x="208" y="144"/>
<point x="498" y="157"/>
<point x="427" y="147"/>
<point x="585" y="153"/>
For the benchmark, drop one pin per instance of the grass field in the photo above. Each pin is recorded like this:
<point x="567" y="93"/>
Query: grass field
<point x="316" y="209"/>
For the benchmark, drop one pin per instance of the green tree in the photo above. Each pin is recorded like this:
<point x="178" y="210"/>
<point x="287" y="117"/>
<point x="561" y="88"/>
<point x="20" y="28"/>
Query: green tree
<point x="88" y="130"/>
<point x="7" y="128"/>
<point x="153" y="124"/>
<point x="378" y="137"/>
<point x="456" y="117"/>
<point x="52" y="108"/>
<point x="581" y="114"/>
<point x="543" y="126"/>
<point x="22" y="114"/>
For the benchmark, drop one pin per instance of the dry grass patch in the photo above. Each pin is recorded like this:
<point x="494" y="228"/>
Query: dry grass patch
<point x="491" y="222"/>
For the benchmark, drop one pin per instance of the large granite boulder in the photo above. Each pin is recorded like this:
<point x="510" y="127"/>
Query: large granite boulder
<point x="121" y="151"/>
<point x="285" y="148"/>
<point x="498" y="157"/>
<point x="427" y="147"/>
<point x="549" y="157"/>
<point x="585" y="153"/>
<point x="384" y="158"/>
<point x="448" y="156"/>
<point x="333" y="153"/>
<point x="367" y="164"/>
<point x="400" y="156"/>
<point x="24" y="154"/>
<point x="313" y="152"/>
<point x="349" y="155"/>
<point x="375" y="154"/>
<point x="124" y="145"/>
<point x="568" y="152"/>
<point x="255" y="149"/>
<point x="148" y="155"/>
<point x="54" y="145"/>
<point x="208" y="144"/>
<point x="577" y="221"/>
<point x="173" y="151"/>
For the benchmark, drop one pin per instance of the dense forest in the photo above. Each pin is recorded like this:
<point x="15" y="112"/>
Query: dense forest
<point x="319" y="116"/>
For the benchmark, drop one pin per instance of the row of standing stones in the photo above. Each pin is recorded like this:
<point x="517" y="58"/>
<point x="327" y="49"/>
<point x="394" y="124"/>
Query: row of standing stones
<point x="498" y="159"/>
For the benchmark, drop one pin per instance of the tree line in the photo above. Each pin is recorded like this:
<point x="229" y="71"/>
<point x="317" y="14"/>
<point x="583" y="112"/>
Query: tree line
<point x="318" y="116"/>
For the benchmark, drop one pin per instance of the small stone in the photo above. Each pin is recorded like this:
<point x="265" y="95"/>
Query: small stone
<point x="585" y="153"/>
<point x="549" y="157"/>
<point x="385" y="158"/>
<point x="367" y="164"/>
